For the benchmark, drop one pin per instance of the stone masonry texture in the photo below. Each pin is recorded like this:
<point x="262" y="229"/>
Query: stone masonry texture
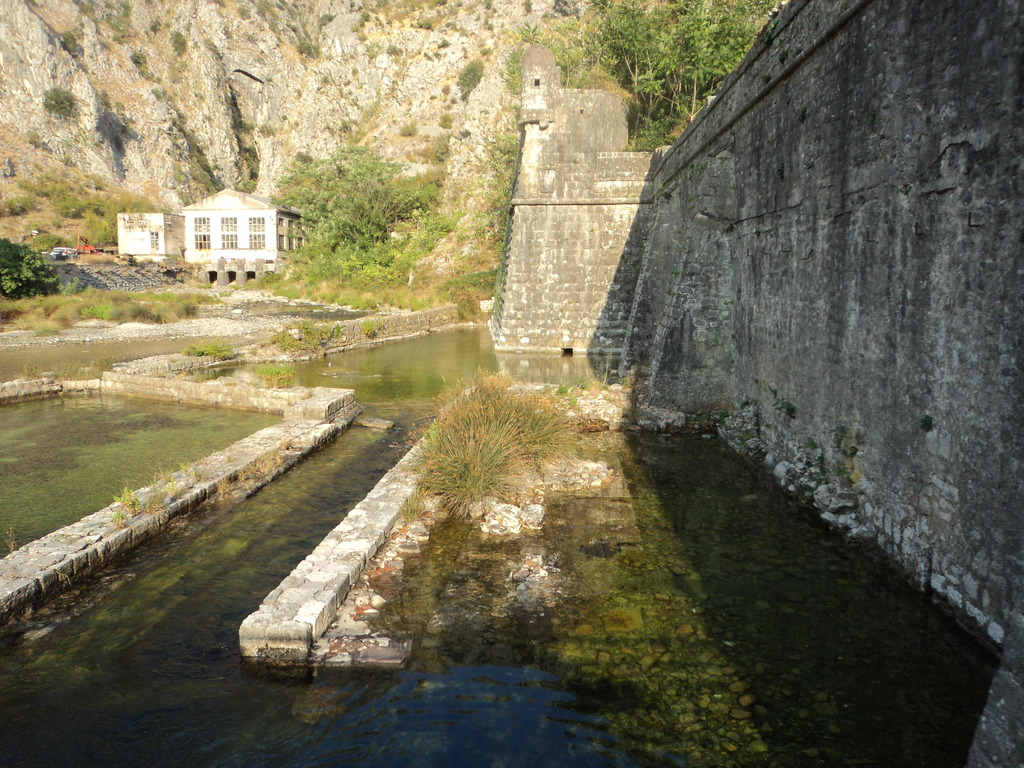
<point x="579" y="210"/>
<point x="295" y="614"/>
<point x="833" y="250"/>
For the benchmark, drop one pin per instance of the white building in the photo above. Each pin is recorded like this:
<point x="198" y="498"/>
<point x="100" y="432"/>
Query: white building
<point x="151" y="236"/>
<point x="238" y="236"/>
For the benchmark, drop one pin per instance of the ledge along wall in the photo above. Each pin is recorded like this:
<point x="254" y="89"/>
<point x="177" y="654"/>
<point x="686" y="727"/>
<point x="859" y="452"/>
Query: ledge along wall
<point x="836" y="243"/>
<point x="578" y="219"/>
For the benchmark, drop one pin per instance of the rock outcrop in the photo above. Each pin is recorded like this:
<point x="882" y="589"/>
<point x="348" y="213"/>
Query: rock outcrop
<point x="173" y="100"/>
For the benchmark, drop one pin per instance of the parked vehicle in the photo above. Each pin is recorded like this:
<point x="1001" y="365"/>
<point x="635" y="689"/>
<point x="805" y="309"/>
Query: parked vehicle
<point x="84" y="246"/>
<point x="61" y="253"/>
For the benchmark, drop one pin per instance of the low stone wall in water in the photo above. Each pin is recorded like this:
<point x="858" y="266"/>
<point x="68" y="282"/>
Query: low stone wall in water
<point x="294" y="616"/>
<point x="33" y="389"/>
<point x="48" y="566"/>
<point x="318" y="403"/>
<point x="374" y="329"/>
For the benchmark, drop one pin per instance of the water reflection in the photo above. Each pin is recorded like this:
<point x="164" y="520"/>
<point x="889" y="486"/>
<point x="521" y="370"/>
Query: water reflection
<point x="470" y="716"/>
<point x="703" y="618"/>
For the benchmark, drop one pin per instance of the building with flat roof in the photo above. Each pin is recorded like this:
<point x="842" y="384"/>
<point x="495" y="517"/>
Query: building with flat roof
<point x="151" y="236"/>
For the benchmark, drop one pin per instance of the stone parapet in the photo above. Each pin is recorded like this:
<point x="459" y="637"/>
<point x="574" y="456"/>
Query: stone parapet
<point x="295" y="614"/>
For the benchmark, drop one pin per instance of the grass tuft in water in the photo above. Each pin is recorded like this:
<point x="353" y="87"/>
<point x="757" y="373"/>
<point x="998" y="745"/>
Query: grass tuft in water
<point x="218" y="349"/>
<point x="276" y="375"/>
<point x="483" y="437"/>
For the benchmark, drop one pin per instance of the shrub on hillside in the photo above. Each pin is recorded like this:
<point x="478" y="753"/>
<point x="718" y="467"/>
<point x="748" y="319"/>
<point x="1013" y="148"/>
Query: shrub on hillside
<point x="470" y="77"/>
<point x="23" y="272"/>
<point x="178" y="42"/>
<point x="60" y="102"/>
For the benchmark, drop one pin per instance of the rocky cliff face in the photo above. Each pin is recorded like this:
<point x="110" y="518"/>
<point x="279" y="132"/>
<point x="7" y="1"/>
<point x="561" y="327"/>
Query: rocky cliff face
<point x="175" y="100"/>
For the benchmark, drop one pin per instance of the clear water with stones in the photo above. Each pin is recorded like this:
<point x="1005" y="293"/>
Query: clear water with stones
<point x="697" y="579"/>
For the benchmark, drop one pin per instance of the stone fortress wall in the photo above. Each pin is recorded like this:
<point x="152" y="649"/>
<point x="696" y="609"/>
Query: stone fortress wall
<point x="833" y="254"/>
<point x="577" y="200"/>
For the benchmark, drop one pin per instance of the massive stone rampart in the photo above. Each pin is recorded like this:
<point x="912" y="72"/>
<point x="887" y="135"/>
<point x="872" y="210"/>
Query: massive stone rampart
<point x="832" y="252"/>
<point x="834" y="240"/>
<point x="836" y="247"/>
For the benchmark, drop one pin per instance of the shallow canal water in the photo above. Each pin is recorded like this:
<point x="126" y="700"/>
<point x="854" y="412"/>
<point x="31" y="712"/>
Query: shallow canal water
<point x="657" y="615"/>
<point x="63" y="458"/>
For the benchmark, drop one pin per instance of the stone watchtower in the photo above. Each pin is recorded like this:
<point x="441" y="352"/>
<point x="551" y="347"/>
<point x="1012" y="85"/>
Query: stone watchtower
<point x="542" y="80"/>
<point x="578" y="219"/>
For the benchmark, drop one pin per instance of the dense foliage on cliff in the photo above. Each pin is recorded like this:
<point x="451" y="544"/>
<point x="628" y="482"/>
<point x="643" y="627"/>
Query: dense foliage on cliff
<point x="65" y="202"/>
<point x="672" y="56"/>
<point x="366" y="225"/>
<point x="667" y="58"/>
<point x="23" y="272"/>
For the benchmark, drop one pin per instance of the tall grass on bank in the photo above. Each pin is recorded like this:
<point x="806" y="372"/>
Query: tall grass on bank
<point x="55" y="312"/>
<point x="483" y="438"/>
<point x="70" y="370"/>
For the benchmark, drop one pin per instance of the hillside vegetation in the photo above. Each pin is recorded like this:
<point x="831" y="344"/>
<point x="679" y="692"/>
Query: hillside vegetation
<point x="406" y="107"/>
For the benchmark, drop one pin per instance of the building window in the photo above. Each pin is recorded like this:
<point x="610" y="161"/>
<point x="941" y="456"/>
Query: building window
<point x="229" y="224"/>
<point x="229" y="240"/>
<point x="154" y="242"/>
<point x="257" y="224"/>
<point x="280" y="242"/>
<point x="257" y="240"/>
<point x="203" y="242"/>
<point x="202" y="224"/>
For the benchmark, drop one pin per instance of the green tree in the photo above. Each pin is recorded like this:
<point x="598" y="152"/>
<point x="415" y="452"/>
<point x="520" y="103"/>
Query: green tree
<point x="23" y="272"/>
<point x="366" y="226"/>
<point x="60" y="102"/>
<point x="353" y="197"/>
<point x="672" y="56"/>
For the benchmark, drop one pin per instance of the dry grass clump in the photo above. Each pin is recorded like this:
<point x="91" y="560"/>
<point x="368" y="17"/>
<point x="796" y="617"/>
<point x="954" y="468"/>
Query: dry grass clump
<point x="484" y="437"/>
<point x="49" y="314"/>
<point x="218" y="349"/>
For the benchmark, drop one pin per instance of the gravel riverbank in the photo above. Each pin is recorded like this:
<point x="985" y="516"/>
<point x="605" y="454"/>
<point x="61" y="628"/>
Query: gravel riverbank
<point x="252" y="315"/>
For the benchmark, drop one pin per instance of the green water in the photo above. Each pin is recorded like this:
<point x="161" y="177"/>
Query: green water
<point x="699" y="578"/>
<point x="63" y="458"/>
